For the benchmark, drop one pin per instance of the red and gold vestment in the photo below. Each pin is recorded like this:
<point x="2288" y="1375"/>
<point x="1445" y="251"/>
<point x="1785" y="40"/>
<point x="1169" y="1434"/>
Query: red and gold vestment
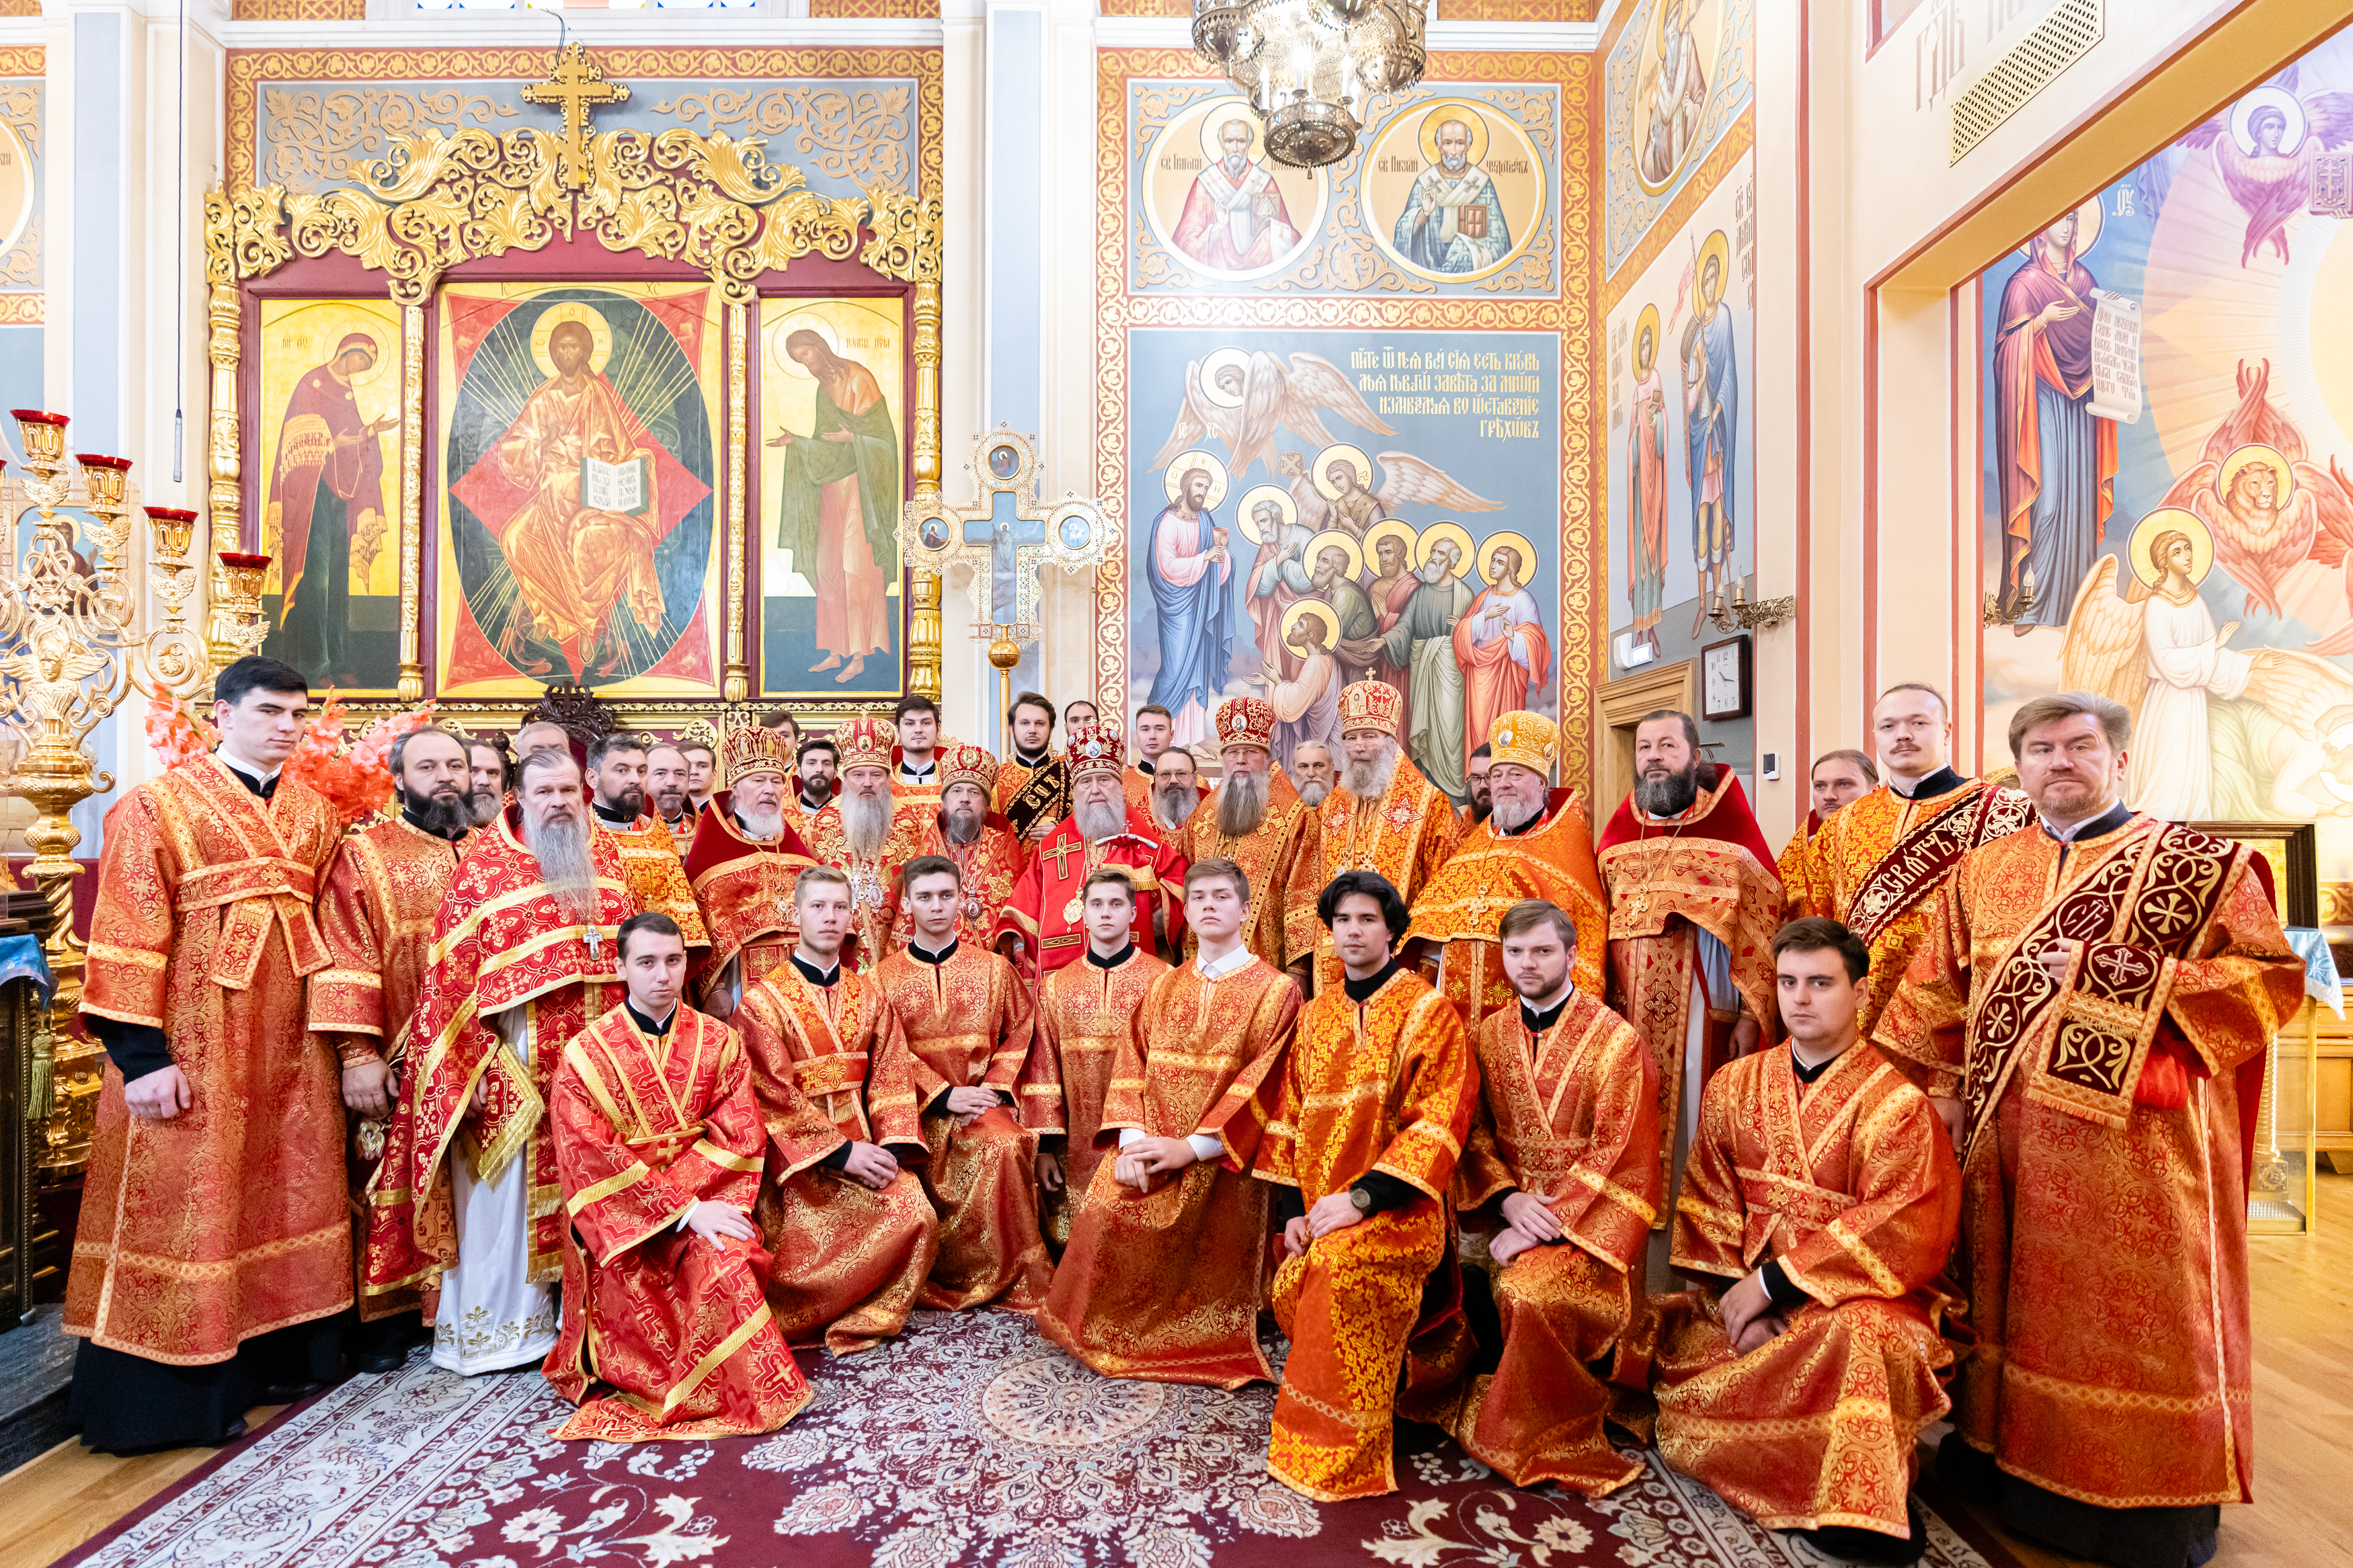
<point x="1849" y="1184"/>
<point x="1046" y="908"/>
<point x="1385" y="1085"/>
<point x="1569" y="1115"/>
<point x="1489" y="871"/>
<point x="1279" y="858"/>
<point x="229" y="1220"/>
<point x="1086" y="1014"/>
<point x="1405" y="836"/>
<point x="873" y="878"/>
<point x="745" y="887"/>
<point x="1795" y="864"/>
<point x="1165" y="1285"/>
<point x="675" y="1326"/>
<point x="2108" y="1124"/>
<point x="989" y="866"/>
<point x="967" y="1023"/>
<point x="657" y="876"/>
<point x="502" y="944"/>
<point x="859" y="1256"/>
<point x="1023" y="806"/>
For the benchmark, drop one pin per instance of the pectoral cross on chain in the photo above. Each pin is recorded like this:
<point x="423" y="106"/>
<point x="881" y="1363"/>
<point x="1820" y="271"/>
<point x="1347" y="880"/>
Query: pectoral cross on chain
<point x="575" y="85"/>
<point x="1061" y="854"/>
<point x="592" y="942"/>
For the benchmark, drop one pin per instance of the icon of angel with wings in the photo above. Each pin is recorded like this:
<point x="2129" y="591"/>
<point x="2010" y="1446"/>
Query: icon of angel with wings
<point x="2265" y="149"/>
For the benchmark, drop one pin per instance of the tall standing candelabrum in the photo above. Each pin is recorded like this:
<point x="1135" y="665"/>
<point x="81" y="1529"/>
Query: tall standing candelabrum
<point x="74" y="643"/>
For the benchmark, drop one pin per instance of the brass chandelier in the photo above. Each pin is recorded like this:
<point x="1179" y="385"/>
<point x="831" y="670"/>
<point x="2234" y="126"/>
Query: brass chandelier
<point x="1310" y="68"/>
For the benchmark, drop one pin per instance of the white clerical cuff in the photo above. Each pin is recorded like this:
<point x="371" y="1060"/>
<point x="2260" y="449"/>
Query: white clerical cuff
<point x="1204" y="1146"/>
<point x="1129" y="1134"/>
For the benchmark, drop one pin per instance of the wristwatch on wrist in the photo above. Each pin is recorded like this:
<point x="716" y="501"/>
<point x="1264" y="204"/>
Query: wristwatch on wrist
<point x="1362" y="1199"/>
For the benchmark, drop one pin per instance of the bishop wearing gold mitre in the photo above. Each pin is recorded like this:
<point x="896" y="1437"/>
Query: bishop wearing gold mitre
<point x="1167" y="1265"/>
<point x="989" y="856"/>
<point x="742" y="868"/>
<point x="1693" y="903"/>
<point x="1375" y="1100"/>
<point x="657" y="1139"/>
<point x="1878" y="864"/>
<point x="1042" y="928"/>
<point x="1257" y="821"/>
<point x="867" y="833"/>
<point x="617" y="767"/>
<point x="1563" y="1153"/>
<point x="215" y="1208"/>
<point x="1534" y="843"/>
<point x="2092" y="1007"/>
<point x="376" y="915"/>
<point x="521" y="960"/>
<point x="1382" y="815"/>
<point x="859" y="1232"/>
<point x="951" y="1095"/>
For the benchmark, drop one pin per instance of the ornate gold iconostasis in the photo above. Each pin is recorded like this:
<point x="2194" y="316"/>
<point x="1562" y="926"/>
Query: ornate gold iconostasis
<point x="631" y="411"/>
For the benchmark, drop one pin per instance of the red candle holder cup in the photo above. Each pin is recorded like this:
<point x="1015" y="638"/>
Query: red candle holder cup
<point x="170" y="513"/>
<point x="238" y="561"/>
<point x="34" y="416"/>
<point x="99" y="460"/>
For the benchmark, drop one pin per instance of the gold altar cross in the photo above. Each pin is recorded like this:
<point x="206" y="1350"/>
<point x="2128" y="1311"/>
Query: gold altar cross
<point x="1061" y="854"/>
<point x="577" y="86"/>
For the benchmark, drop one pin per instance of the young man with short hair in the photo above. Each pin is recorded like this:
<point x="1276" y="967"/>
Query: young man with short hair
<point x="1032" y="811"/>
<point x="916" y="776"/>
<point x="702" y="772"/>
<point x="666" y="1331"/>
<point x="1187" y="1106"/>
<point x="816" y="781"/>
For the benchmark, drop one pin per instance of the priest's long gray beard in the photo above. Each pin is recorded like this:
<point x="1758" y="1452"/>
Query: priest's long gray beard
<point x="760" y="825"/>
<point x="568" y="864"/>
<point x="1512" y="815"/>
<point x="964" y="827"/>
<point x="1669" y="796"/>
<point x="1173" y="802"/>
<point x="1241" y="805"/>
<point x="485" y="806"/>
<point x="1371" y="780"/>
<point x="866" y="823"/>
<point x="1314" y="791"/>
<point x="1098" y="820"/>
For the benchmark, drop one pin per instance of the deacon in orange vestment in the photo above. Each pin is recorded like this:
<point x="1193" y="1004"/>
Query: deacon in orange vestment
<point x="467" y="1202"/>
<point x="1839" y="779"/>
<point x="214" y="1212"/>
<point x="1382" y="815"/>
<point x="867" y="834"/>
<point x="1821" y="1187"/>
<point x="1693" y="903"/>
<point x="666" y="1332"/>
<point x="859" y="1231"/>
<point x="650" y="857"/>
<point x="742" y="868"/>
<point x="1375" y="1102"/>
<point x="1166" y="1271"/>
<point x="2100" y="1003"/>
<point x="988" y="855"/>
<point x="1562" y="1150"/>
<point x="1257" y="820"/>
<point x="918" y="760"/>
<point x="1033" y="787"/>
<point x="1040" y="929"/>
<point x="952" y="1095"/>
<point x="1535" y="844"/>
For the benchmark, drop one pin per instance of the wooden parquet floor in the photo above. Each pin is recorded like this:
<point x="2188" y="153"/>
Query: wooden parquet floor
<point x="2303" y="1514"/>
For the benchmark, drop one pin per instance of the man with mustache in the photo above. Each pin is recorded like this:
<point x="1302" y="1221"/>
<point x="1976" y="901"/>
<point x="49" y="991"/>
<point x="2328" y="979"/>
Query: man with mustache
<point x="1033" y="787"/>
<point x="667" y="772"/>
<point x="868" y="833"/>
<point x="916" y="720"/>
<point x="486" y="770"/>
<point x="1382" y="815"/>
<point x="617" y="767"/>
<point x="1694" y="899"/>
<point x="1311" y="770"/>
<point x="1474" y="775"/>
<point x="745" y="856"/>
<point x="1156" y="734"/>
<point x="1042" y="928"/>
<point x="377" y="919"/>
<point x="816" y="781"/>
<point x="1535" y="845"/>
<point x="1257" y="821"/>
<point x="523" y="959"/>
<point x="1175" y="793"/>
<point x="981" y="845"/>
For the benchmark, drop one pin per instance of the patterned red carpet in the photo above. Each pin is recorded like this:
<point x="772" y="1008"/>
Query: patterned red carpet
<point x="971" y="1442"/>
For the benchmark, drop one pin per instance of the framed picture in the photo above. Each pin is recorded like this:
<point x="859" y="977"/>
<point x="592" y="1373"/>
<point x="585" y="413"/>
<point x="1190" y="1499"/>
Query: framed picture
<point x="1724" y="690"/>
<point x="2292" y="851"/>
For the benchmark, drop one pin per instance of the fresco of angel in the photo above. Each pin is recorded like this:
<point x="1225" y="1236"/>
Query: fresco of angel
<point x="2264" y="149"/>
<point x="1244" y="398"/>
<point x="1334" y="489"/>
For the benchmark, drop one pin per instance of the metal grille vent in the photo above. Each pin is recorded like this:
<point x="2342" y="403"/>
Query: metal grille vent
<point x="2058" y="41"/>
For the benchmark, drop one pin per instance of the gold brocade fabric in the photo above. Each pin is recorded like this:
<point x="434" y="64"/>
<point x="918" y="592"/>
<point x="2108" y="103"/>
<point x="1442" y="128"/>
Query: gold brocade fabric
<point x="873" y="879"/>
<point x="744" y="889"/>
<point x="657" y="876"/>
<point x="1086" y="1014"/>
<point x="1164" y="1285"/>
<point x="670" y="1332"/>
<point x="1279" y="860"/>
<point x="1387" y="1085"/>
<point x="1850" y="1183"/>
<point x="989" y="868"/>
<point x="1405" y="836"/>
<point x="1799" y="896"/>
<point x="229" y="1220"/>
<point x="2104" y="1226"/>
<point x="856" y="1257"/>
<point x="966" y="1023"/>
<point x="1047" y="910"/>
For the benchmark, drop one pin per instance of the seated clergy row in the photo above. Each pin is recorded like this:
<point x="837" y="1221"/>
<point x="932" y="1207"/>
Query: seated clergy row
<point x="842" y="1058"/>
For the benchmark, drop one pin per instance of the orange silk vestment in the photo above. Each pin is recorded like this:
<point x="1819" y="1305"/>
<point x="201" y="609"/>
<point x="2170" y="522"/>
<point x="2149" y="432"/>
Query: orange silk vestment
<point x="1387" y="1085"/>
<point x="2108" y="1123"/>
<point x="1405" y="836"/>
<point x="1849" y="1183"/>
<point x="647" y="1127"/>
<point x="657" y="876"/>
<point x="1086" y="1015"/>
<point x="1570" y="1115"/>
<point x="1046" y="909"/>
<point x="1164" y="1285"/>
<point x="745" y="887"/>
<point x="1796" y="867"/>
<point x="1490" y="871"/>
<point x="873" y="879"/>
<point x="966" y="1023"/>
<point x="229" y="1220"/>
<point x="988" y="867"/>
<point x="1279" y="858"/>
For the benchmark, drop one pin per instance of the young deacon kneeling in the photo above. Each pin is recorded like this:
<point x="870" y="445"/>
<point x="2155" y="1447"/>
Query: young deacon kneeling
<point x="1821" y="1183"/>
<point x="658" y="1141"/>
<point x="1566" y="1149"/>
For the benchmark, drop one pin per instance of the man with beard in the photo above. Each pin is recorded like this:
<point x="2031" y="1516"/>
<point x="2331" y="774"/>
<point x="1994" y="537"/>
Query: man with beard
<point x="1537" y="844"/>
<point x="1257" y="821"/>
<point x="1390" y="593"/>
<point x="1423" y="640"/>
<point x="702" y="772"/>
<point x="742" y="868"/>
<point x="486" y="770"/>
<point x="1156" y="733"/>
<point x="1693" y="903"/>
<point x="979" y="843"/>
<point x="522" y="960"/>
<point x="1175" y="793"/>
<point x="1040" y="929"/>
<point x="1310" y="769"/>
<point x="1475" y="776"/>
<point x="377" y="919"/>
<point x="1382" y="815"/>
<point x="666" y="774"/>
<point x="917" y="778"/>
<point x="1032" y="785"/>
<point x="817" y="779"/>
<point x="867" y="834"/>
<point x="617" y="766"/>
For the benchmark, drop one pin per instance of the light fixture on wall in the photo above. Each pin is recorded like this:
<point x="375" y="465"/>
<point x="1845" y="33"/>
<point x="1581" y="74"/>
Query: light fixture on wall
<point x="1738" y="612"/>
<point x="1310" y="68"/>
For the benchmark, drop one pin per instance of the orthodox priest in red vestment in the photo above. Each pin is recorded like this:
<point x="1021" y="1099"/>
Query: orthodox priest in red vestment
<point x="742" y="868"/>
<point x="1042" y="929"/>
<point x="988" y="854"/>
<point x="1382" y="815"/>
<point x="867" y="834"/>
<point x="1257" y="820"/>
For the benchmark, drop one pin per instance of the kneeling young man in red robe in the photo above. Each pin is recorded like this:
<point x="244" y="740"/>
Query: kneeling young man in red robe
<point x="1821" y="1184"/>
<point x="658" y="1141"/>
